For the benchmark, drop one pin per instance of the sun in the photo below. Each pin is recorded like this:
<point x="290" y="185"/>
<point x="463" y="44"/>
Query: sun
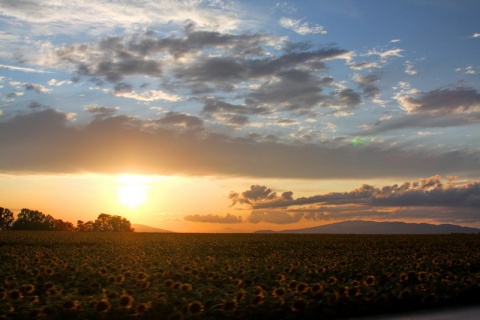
<point x="132" y="191"/>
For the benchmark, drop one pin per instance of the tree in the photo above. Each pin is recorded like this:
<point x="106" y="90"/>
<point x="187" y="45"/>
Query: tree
<point x="60" y="225"/>
<point x="31" y="220"/>
<point x="106" y="222"/>
<point x="6" y="219"/>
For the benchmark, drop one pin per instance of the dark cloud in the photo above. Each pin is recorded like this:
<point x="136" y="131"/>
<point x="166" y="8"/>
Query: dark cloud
<point x="123" y="87"/>
<point x="12" y="95"/>
<point x="212" y="70"/>
<point x="461" y="100"/>
<point x="101" y="111"/>
<point x="287" y="78"/>
<point x="438" y="108"/>
<point x="295" y="89"/>
<point x="422" y="121"/>
<point x="230" y="114"/>
<point x="213" y="218"/>
<point x="345" y="99"/>
<point x="286" y="121"/>
<point x="429" y="192"/>
<point x="368" y="84"/>
<point x="181" y="119"/>
<point x="195" y="41"/>
<point x="114" y="71"/>
<point x="35" y="105"/>
<point x="426" y="199"/>
<point x="255" y="193"/>
<point x="108" y="60"/>
<point x="46" y="141"/>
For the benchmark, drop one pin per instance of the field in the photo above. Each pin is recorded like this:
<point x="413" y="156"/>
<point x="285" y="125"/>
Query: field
<point x="81" y="275"/>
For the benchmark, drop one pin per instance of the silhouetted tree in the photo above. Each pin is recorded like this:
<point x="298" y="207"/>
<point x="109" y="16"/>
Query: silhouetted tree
<point x="60" y="225"/>
<point x="31" y="220"/>
<point x="6" y="219"/>
<point x="35" y="220"/>
<point x="106" y="222"/>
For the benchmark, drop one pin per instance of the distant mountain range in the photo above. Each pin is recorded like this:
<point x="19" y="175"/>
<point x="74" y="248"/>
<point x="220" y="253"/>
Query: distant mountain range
<point x="144" y="228"/>
<point x="371" y="227"/>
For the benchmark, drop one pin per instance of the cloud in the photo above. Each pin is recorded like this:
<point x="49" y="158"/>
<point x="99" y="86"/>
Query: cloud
<point x="429" y="192"/>
<point x="57" y="83"/>
<point x="384" y="55"/>
<point x="255" y="193"/>
<point x="301" y="27"/>
<point x="176" y="143"/>
<point x="420" y="121"/>
<point x="181" y="119"/>
<point x="298" y="90"/>
<point x="148" y="95"/>
<point x="30" y="86"/>
<point x="368" y="84"/>
<point x="460" y="100"/>
<point x="211" y="218"/>
<point x="99" y="16"/>
<point x="409" y="69"/>
<point x="426" y="198"/>
<point x="267" y="73"/>
<point x="22" y="69"/>
<point x="230" y="114"/>
<point x="277" y="217"/>
<point x="100" y="111"/>
<point x="365" y="65"/>
<point x="467" y="70"/>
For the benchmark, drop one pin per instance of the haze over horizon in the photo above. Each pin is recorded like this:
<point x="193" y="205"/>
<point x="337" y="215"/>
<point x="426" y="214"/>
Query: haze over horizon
<point x="236" y="116"/>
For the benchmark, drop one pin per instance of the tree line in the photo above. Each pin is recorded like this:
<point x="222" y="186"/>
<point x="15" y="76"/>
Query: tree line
<point x="35" y="220"/>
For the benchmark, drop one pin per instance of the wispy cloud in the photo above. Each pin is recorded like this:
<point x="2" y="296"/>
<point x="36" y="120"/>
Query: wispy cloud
<point x="148" y="95"/>
<point x="73" y="17"/>
<point x="384" y="55"/>
<point x="302" y="27"/>
<point x="23" y="69"/>
<point x="409" y="68"/>
<point x="467" y="70"/>
<point x="211" y="218"/>
<point x="30" y="86"/>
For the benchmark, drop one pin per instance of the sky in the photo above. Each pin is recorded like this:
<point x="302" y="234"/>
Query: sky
<point x="236" y="116"/>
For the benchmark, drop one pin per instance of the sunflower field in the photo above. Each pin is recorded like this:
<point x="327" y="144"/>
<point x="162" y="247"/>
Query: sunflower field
<point x="101" y="275"/>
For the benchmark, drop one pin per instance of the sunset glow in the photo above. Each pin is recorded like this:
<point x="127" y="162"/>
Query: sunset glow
<point x="235" y="116"/>
<point x="132" y="191"/>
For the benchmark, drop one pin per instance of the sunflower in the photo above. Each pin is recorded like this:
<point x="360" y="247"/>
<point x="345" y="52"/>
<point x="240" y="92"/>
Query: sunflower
<point x="279" y="292"/>
<point x="15" y="295"/>
<point x="369" y="281"/>
<point x="302" y="287"/>
<point x="229" y="306"/>
<point x="299" y="305"/>
<point x="195" y="308"/>
<point x="142" y="308"/>
<point x="102" y="306"/>
<point x="126" y="301"/>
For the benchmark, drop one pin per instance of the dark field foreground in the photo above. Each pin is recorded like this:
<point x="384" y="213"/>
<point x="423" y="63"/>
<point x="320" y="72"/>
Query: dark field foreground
<point x="55" y="275"/>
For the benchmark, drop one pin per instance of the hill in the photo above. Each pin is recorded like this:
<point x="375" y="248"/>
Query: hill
<point x="371" y="227"/>
<point x="144" y="228"/>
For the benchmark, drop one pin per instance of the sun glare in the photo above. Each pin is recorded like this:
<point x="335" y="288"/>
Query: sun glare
<point x="132" y="191"/>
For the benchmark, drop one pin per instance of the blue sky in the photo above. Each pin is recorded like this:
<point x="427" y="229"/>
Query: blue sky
<point x="305" y="90"/>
